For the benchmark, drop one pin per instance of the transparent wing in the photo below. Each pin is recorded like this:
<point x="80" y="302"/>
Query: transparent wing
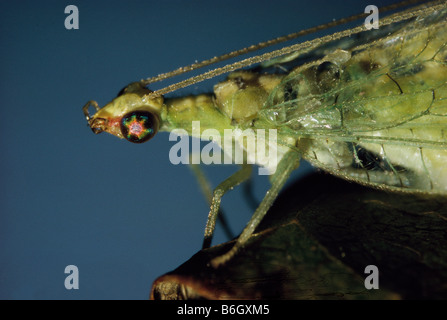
<point x="377" y="112"/>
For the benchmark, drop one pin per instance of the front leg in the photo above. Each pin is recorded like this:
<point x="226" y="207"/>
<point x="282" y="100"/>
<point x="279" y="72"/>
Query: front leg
<point x="288" y="163"/>
<point x="235" y="179"/>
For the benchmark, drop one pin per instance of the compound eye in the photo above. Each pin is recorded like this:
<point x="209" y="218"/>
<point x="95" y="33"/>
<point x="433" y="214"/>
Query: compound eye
<point x="139" y="126"/>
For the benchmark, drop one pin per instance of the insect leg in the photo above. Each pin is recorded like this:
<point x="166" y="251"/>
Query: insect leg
<point x="238" y="177"/>
<point x="288" y="163"/>
<point x="205" y="186"/>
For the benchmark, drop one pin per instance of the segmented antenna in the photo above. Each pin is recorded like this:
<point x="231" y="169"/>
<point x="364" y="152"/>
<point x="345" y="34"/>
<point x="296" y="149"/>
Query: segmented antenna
<point x="428" y="7"/>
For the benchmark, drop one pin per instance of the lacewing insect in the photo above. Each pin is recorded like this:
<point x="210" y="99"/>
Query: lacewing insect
<point x="370" y="107"/>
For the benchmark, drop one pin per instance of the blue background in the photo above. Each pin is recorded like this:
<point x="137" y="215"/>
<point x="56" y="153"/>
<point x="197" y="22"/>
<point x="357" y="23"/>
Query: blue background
<point x="120" y="212"/>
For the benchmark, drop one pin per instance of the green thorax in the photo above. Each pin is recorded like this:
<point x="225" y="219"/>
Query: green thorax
<point x="235" y="104"/>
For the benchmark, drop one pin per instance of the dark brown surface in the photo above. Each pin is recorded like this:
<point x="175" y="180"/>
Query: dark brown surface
<point x="316" y="242"/>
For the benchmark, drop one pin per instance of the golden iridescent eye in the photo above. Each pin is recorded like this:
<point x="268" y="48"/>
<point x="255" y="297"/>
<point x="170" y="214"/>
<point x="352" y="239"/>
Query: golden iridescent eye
<point x="139" y="126"/>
